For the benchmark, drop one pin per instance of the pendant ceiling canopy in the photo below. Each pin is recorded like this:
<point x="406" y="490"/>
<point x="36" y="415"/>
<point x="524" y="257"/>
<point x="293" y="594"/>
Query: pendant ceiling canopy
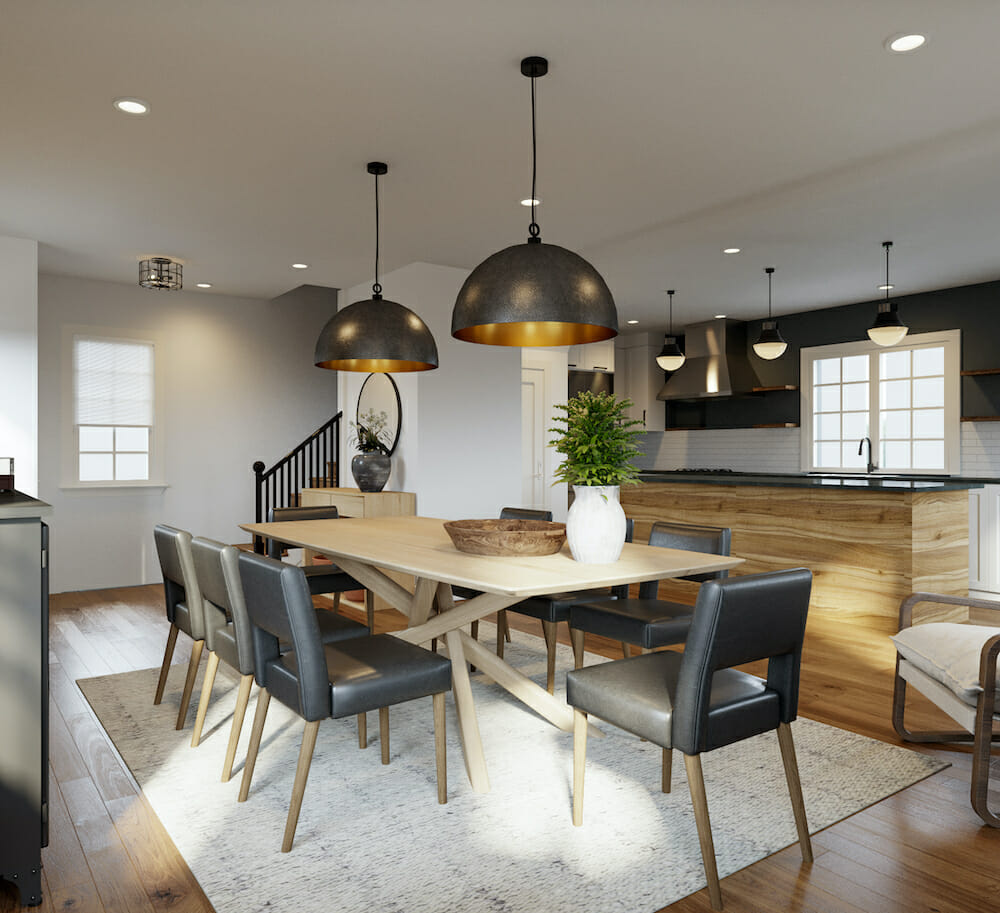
<point x="534" y="294"/>
<point x="376" y="335"/>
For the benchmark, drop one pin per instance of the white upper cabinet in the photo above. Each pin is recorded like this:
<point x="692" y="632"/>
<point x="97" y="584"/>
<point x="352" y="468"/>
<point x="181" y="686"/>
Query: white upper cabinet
<point x="595" y="356"/>
<point x="640" y="378"/>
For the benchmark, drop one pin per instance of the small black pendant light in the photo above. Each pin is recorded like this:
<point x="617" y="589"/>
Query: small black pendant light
<point x="376" y="335"/>
<point x="534" y="294"/>
<point x="671" y="357"/>
<point x="887" y="329"/>
<point x="769" y="344"/>
<point x="161" y="273"/>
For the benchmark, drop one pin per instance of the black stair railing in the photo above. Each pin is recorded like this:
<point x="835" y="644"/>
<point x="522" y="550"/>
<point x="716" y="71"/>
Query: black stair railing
<point x="280" y="485"/>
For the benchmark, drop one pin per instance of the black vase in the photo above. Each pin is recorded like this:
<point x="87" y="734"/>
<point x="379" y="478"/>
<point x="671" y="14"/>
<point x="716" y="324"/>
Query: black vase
<point x="371" y="470"/>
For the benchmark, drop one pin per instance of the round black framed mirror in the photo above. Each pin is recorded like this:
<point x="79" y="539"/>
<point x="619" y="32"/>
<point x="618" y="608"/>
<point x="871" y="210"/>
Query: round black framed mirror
<point x="379" y="393"/>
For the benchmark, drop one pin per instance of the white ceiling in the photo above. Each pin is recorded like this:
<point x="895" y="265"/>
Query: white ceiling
<point x="668" y="129"/>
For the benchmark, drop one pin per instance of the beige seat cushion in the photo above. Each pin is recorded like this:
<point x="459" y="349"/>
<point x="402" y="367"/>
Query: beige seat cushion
<point x="949" y="653"/>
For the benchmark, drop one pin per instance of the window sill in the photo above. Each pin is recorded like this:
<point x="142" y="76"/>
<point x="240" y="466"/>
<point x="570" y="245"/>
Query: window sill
<point x="112" y="486"/>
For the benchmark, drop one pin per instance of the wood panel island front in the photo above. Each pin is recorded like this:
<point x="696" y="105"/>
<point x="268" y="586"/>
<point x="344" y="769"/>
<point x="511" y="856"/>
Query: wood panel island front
<point x="869" y="542"/>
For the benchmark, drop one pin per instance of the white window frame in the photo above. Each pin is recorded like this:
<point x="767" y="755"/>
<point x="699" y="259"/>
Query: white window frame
<point x="951" y="341"/>
<point x="70" y="443"/>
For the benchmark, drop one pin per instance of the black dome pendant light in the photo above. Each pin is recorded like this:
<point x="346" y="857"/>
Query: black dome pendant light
<point x="534" y="294"/>
<point x="671" y="357"/>
<point x="376" y="335"/>
<point x="887" y="329"/>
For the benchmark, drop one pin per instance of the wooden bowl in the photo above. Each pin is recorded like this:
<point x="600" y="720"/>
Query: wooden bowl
<point x="507" y="537"/>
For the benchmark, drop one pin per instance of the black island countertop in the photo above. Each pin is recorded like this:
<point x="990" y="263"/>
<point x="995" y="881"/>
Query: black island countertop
<point x="858" y="481"/>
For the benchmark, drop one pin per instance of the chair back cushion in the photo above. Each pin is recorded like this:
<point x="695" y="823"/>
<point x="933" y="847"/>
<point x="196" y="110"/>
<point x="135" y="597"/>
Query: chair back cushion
<point x="524" y="513"/>
<point x="736" y="621"/>
<point x="280" y="609"/>
<point x="217" y="567"/>
<point x="180" y="582"/>
<point x="287" y="515"/>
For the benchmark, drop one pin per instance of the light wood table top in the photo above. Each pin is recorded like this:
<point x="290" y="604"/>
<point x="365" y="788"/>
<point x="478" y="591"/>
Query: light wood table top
<point x="366" y="548"/>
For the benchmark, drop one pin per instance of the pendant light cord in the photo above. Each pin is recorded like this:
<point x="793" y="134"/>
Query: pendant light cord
<point x="533" y="228"/>
<point x="887" y="245"/>
<point x="769" y="270"/>
<point x="376" y="288"/>
<point x="670" y="295"/>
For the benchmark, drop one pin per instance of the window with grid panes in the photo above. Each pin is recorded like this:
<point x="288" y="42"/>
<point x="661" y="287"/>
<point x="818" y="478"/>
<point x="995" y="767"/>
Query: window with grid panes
<point x="905" y="399"/>
<point x="113" y="401"/>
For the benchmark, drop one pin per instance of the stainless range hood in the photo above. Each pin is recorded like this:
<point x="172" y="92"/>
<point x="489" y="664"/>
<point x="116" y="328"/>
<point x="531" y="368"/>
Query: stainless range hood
<point x="717" y="363"/>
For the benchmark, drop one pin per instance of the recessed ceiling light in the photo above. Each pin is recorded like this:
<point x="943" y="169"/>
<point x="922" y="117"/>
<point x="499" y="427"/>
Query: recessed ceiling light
<point x="300" y="266"/>
<point x="204" y="284"/>
<point x="731" y="250"/>
<point x="903" y="43"/>
<point x="530" y="202"/>
<point x="135" y="106"/>
<point x="720" y="316"/>
<point x="631" y="323"/>
<point x="885" y="288"/>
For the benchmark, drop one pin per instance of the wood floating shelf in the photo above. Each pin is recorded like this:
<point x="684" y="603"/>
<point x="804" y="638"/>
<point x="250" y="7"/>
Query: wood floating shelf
<point x="980" y="418"/>
<point x="981" y="373"/>
<point x="778" y="425"/>
<point x="778" y="388"/>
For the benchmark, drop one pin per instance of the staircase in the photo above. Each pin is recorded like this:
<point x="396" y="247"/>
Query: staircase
<point x="312" y="464"/>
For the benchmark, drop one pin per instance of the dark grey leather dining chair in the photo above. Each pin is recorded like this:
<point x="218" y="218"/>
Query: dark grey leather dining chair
<point x="229" y="639"/>
<point x="317" y="680"/>
<point x="184" y="608"/>
<point x="647" y="621"/>
<point x="696" y="701"/>
<point x="322" y="578"/>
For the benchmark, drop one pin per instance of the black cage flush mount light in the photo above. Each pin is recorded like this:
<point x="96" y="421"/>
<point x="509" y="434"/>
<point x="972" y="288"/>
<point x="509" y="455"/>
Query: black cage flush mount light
<point x="534" y="294"/>
<point x="887" y="329"/>
<point x="376" y="335"/>
<point x="161" y="273"/>
<point x="671" y="357"/>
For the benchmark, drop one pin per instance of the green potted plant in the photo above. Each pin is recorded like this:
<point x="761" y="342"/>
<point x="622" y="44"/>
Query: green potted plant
<point x="598" y="443"/>
<point x="372" y="464"/>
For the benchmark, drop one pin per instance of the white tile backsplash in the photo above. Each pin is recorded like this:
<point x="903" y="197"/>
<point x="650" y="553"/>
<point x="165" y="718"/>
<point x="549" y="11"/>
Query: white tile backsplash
<point x="777" y="449"/>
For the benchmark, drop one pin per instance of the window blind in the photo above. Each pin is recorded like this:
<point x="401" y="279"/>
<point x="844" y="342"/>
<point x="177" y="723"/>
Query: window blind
<point x="113" y="382"/>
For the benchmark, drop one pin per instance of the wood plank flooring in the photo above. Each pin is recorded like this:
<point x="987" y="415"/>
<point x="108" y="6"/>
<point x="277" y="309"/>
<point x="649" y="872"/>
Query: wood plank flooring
<point x="921" y="850"/>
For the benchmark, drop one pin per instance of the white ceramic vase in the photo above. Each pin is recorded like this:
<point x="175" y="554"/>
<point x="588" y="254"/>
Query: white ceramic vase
<point x="595" y="525"/>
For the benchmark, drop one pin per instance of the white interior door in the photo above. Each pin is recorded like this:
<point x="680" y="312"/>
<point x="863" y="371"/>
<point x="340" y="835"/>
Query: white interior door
<point x="533" y="437"/>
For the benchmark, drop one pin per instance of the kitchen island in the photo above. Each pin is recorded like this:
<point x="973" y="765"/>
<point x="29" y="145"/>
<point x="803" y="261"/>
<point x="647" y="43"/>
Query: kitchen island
<point x="869" y="542"/>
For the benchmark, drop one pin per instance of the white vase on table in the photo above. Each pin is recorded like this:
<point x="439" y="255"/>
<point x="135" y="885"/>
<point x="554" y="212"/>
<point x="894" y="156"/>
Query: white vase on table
<point x="595" y="525"/>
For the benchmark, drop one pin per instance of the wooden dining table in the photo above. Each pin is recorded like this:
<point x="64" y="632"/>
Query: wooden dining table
<point x="420" y="546"/>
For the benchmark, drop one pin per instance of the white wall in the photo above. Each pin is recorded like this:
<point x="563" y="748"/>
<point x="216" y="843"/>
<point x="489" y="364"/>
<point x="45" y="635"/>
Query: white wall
<point x="238" y="384"/>
<point x="460" y="446"/>
<point x="19" y="359"/>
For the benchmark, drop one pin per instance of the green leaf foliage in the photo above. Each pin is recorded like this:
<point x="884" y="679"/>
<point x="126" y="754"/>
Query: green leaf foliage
<point x="597" y="440"/>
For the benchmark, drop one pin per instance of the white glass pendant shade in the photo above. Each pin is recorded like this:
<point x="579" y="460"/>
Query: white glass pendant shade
<point x="888" y="329"/>
<point x="671" y="357"/>
<point x="770" y="345"/>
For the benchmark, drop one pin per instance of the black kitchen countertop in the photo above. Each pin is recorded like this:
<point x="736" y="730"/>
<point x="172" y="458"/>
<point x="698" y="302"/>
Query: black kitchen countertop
<point x="860" y="481"/>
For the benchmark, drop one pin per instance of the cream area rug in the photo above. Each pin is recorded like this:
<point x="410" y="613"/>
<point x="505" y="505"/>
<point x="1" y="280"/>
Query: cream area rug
<point x="373" y="838"/>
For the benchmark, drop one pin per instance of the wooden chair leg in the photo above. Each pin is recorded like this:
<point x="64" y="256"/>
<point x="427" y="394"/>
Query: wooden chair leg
<point x="667" y="771"/>
<point x="239" y="713"/>
<point x="192" y="674"/>
<point x="474" y="630"/>
<point x="696" y="783"/>
<point x="383" y="732"/>
<point x="168" y="654"/>
<point x="441" y="747"/>
<point x="501" y="627"/>
<point x="370" y="610"/>
<point x="795" y="789"/>
<point x="211" y="668"/>
<point x="576" y="637"/>
<point x="579" y="762"/>
<point x="982" y="745"/>
<point x="626" y="652"/>
<point x="256" y="731"/>
<point x="336" y="601"/>
<point x="362" y="730"/>
<point x="299" y="787"/>
<point x="506" y="628"/>
<point x="549" y="630"/>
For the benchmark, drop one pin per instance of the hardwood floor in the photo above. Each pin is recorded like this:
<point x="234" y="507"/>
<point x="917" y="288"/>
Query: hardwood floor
<point x="921" y="850"/>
